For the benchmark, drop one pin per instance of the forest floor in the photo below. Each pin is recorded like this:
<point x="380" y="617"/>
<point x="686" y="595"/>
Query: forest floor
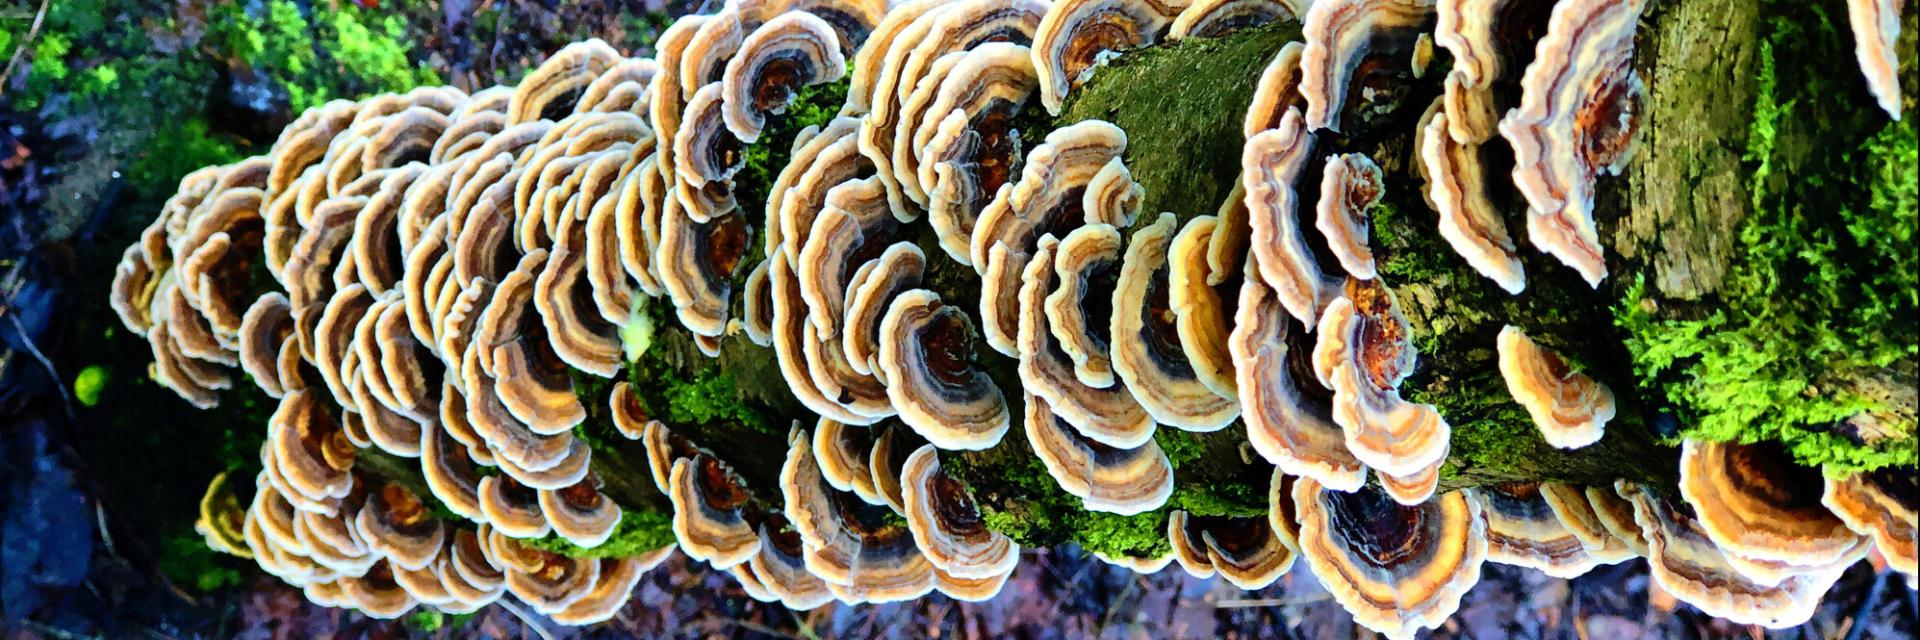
<point x="104" y="104"/>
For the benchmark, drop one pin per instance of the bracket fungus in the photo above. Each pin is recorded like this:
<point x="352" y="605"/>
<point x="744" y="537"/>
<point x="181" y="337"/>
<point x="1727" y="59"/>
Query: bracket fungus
<point x="1579" y="108"/>
<point x="1396" y="568"/>
<point x="1570" y="408"/>
<point x="1078" y="35"/>
<point x="455" y="300"/>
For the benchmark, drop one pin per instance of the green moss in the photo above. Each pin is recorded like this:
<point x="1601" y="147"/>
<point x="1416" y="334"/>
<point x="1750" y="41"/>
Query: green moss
<point x="637" y="533"/>
<point x="186" y="560"/>
<point x="88" y="385"/>
<point x="1822" y="289"/>
<point x="762" y="161"/>
<point x="1187" y="162"/>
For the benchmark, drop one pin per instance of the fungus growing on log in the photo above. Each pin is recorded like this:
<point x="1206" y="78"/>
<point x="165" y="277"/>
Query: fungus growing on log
<point x="1881" y="506"/>
<point x="1397" y="569"/>
<point x="1570" y="408"/>
<point x="1105" y="478"/>
<point x="1876" y="27"/>
<point x="1215" y="18"/>
<point x="1764" y="511"/>
<point x="1078" y="35"/>
<point x="926" y="352"/>
<point x="1580" y="105"/>
<point x="1146" y="348"/>
<point x="448" y="276"/>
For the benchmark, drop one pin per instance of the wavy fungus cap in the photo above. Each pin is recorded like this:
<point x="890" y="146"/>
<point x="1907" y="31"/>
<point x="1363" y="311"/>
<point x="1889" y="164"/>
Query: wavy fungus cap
<point x="793" y="50"/>
<point x="1763" y="509"/>
<point x="1688" y="564"/>
<point x="1570" y="408"/>
<point x="1078" y="35"/>
<point x="1397" y="569"/>
<point x="1579" y="108"/>
<point x="947" y="524"/>
<point x="926" y="351"/>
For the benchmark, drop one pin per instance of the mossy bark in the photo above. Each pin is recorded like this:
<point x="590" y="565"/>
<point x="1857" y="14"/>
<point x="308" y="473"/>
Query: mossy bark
<point x="1673" y="223"/>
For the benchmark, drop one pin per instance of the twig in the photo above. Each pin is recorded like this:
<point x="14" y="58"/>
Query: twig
<point x="1867" y="605"/>
<point x="21" y="51"/>
<point x="759" y="628"/>
<point x="1270" y="602"/>
<point x="52" y="373"/>
<point x="525" y="619"/>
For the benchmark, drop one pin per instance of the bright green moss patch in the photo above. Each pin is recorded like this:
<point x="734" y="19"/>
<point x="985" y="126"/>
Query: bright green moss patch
<point x="1823" y="289"/>
<point x="88" y="385"/>
<point x="813" y="106"/>
<point x="637" y="533"/>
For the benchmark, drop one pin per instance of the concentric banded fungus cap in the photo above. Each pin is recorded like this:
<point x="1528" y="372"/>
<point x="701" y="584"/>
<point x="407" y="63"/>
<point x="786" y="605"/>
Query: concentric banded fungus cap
<point x="1215" y="18"/>
<point x="973" y="149"/>
<point x="1756" y="503"/>
<point x="1122" y="481"/>
<point x="1579" y="107"/>
<point x="1474" y="31"/>
<point x="1048" y="198"/>
<point x="376" y="594"/>
<point x="697" y="263"/>
<point x="869" y="295"/>
<point x="1576" y="513"/>
<point x="547" y="582"/>
<point x="1415" y="488"/>
<point x="1397" y="569"/>
<point x="1107" y="415"/>
<point x="791" y="335"/>
<point x="1876" y="28"/>
<point x="1341" y="35"/>
<point x="1881" y="505"/>
<point x="792" y="50"/>
<point x="629" y="415"/>
<point x="580" y="513"/>
<point x="846" y="541"/>
<point x="563" y="296"/>
<point x="667" y="102"/>
<point x="926" y="353"/>
<point x="781" y="566"/>
<point x="1349" y="186"/>
<point x="396" y="523"/>
<point x="947" y="525"/>
<point x="622" y="87"/>
<point x="449" y="472"/>
<point x="1363" y="350"/>
<point x="1688" y="564"/>
<point x="1469" y="221"/>
<point x="704" y="150"/>
<point x="1146" y="343"/>
<point x="1277" y="91"/>
<point x="993" y="77"/>
<point x="222" y="520"/>
<point x="611" y="590"/>
<point x="1085" y="262"/>
<point x="1570" y="408"/>
<point x="1288" y="413"/>
<point x="1245" y="551"/>
<point x="1523" y="530"/>
<point x="888" y="460"/>
<point x="309" y="450"/>
<point x="511" y="342"/>
<point x="843" y="452"/>
<point x="853" y="229"/>
<point x="1077" y="35"/>
<point x="1270" y="165"/>
<point x="708" y="512"/>
<point x="552" y="90"/>
<point x="512" y="508"/>
<point x="1615" y="512"/>
<point x="1202" y="315"/>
